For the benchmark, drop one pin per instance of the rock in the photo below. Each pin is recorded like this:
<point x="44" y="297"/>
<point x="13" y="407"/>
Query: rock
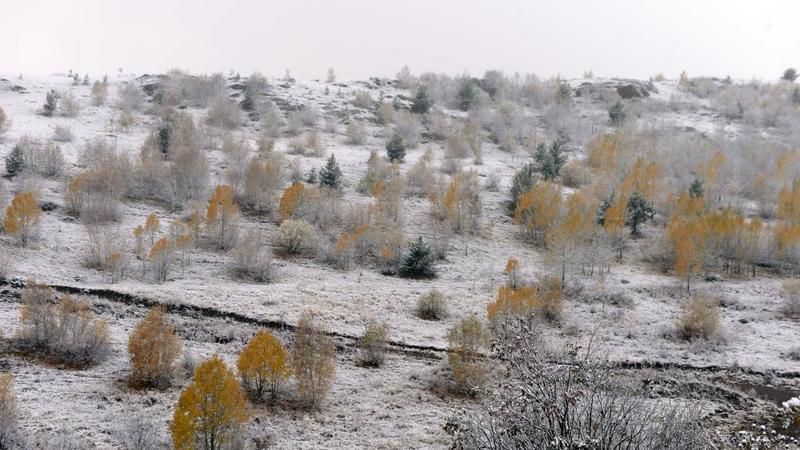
<point x="624" y="281"/>
<point x="629" y="91"/>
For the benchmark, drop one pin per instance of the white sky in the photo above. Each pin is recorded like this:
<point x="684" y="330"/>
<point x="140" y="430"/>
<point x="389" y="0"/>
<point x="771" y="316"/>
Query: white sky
<point x="361" y="38"/>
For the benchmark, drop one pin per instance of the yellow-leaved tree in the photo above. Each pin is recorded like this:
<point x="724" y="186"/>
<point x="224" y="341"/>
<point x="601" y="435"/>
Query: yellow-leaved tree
<point x="22" y="217"/>
<point x="290" y="200"/>
<point x="222" y="217"/>
<point x="210" y="410"/>
<point x="153" y="348"/>
<point x="264" y="362"/>
<point x="538" y="209"/>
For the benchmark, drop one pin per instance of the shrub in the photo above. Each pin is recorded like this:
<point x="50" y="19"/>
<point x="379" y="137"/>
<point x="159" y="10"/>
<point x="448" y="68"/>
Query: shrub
<point x="373" y="344"/>
<point x="356" y="132"/>
<point x="70" y="107"/>
<point x="396" y="148"/>
<point x="699" y="318"/>
<point x="99" y="93"/>
<point x="63" y="134"/>
<point x="106" y="251"/>
<point x="66" y="331"/>
<point x="313" y="360"/>
<point x="466" y="342"/>
<point x="8" y="411"/>
<point x="418" y="263"/>
<point x="264" y="363"/>
<point x="791" y="298"/>
<point x="296" y="236"/>
<point x="407" y="126"/>
<point x="129" y="97"/>
<point x="224" y="113"/>
<point x="222" y="218"/>
<point x="432" y="306"/>
<point x="363" y="100"/>
<point x="571" y="398"/>
<point x="5" y="123"/>
<point x="422" y="102"/>
<point x="545" y="298"/>
<point x="252" y="259"/>
<point x="161" y="258"/>
<point x="47" y="161"/>
<point x="154" y="350"/>
<point x="22" y="217"/>
<point x="139" y="433"/>
<point x="292" y="200"/>
<point x="262" y="179"/>
<point x="211" y="410"/>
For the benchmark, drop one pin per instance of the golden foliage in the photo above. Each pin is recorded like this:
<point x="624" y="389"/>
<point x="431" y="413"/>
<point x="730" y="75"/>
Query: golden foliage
<point x="210" y="409"/>
<point x="264" y="362"/>
<point x="22" y="216"/>
<point x="290" y="200"/>
<point x="545" y="297"/>
<point x="699" y="318"/>
<point x="538" y="209"/>
<point x="153" y="348"/>
<point x="466" y="341"/>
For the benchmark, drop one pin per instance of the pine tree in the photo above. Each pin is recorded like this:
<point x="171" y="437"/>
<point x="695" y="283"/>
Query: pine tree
<point x="789" y="75"/>
<point x="422" y="103"/>
<point x="696" y="190"/>
<point x="330" y="176"/>
<point x="616" y="114"/>
<point x="50" y="104"/>
<point x="396" y="148"/>
<point x="466" y="95"/>
<point x="522" y="182"/>
<point x="639" y="211"/>
<point x="164" y="133"/>
<point x="15" y="161"/>
<point x="419" y="261"/>
<point x="550" y="160"/>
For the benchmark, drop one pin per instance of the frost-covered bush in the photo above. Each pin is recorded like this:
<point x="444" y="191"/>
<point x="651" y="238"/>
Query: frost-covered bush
<point x="69" y="105"/>
<point x="297" y="236"/>
<point x="5" y="122"/>
<point x="106" y="251"/>
<point x="372" y="344"/>
<point x="699" y="318"/>
<point x="363" y="99"/>
<point x="129" y="97"/>
<point x="432" y="306"/>
<point x="252" y="258"/>
<point x="8" y="411"/>
<point x="356" y="133"/>
<point x="791" y="298"/>
<point x="63" y="134"/>
<point x="224" y="113"/>
<point x="407" y="126"/>
<point x="66" y="331"/>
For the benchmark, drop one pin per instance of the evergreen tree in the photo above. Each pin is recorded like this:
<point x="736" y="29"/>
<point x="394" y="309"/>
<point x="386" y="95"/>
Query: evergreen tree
<point x="696" y="190"/>
<point x="550" y="160"/>
<point x="522" y="182"/>
<point x="422" y="103"/>
<point x="466" y="94"/>
<point x="330" y="175"/>
<point x="311" y="177"/>
<point x="616" y="114"/>
<point x="396" y="148"/>
<point x="15" y="161"/>
<point x="789" y="75"/>
<point x="50" y="104"/>
<point x="419" y="261"/>
<point x="163" y="138"/>
<point x="639" y="211"/>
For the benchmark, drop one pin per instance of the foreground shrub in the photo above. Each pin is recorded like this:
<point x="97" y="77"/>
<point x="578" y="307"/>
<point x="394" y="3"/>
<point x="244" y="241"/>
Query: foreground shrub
<point x="373" y="344"/>
<point x="571" y="398"/>
<point x="313" y="360"/>
<point x="264" y="364"/>
<point x="211" y="410"/>
<point x="545" y="298"/>
<point x="8" y="411"/>
<point x="432" y="306"/>
<point x="154" y="350"/>
<point x="297" y="236"/>
<point x="791" y="298"/>
<point x="467" y="341"/>
<point x="66" y="331"/>
<point x="699" y="318"/>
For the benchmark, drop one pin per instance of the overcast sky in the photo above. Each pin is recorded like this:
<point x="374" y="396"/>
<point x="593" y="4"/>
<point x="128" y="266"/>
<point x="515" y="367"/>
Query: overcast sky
<point x="361" y="38"/>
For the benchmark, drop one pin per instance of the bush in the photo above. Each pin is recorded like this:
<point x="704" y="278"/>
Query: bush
<point x="545" y="298"/>
<point x="262" y="179"/>
<point x="66" y="332"/>
<point x="129" y="97"/>
<point x="63" y="134"/>
<point x="699" y="318"/>
<point x="106" y="251"/>
<point x="363" y="100"/>
<point x="222" y="218"/>
<point x="22" y="217"/>
<point x="70" y="107"/>
<point x="356" y="132"/>
<point x="8" y="411"/>
<point x="224" y="113"/>
<point x="47" y="161"/>
<point x="573" y="399"/>
<point x="791" y="298"/>
<point x="99" y="93"/>
<point x="418" y="263"/>
<point x="252" y="259"/>
<point x="313" y="360"/>
<point x="264" y="363"/>
<point x="432" y="306"/>
<point x="407" y="126"/>
<point x="139" y="433"/>
<point x="297" y="236"/>
<point x="396" y="148"/>
<point x="211" y="410"/>
<point x="5" y="123"/>
<point x="466" y="342"/>
<point x="373" y="344"/>
<point x="154" y="350"/>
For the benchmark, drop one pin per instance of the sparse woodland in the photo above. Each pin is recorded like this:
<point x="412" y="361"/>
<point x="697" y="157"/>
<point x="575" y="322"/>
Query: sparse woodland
<point x="504" y="261"/>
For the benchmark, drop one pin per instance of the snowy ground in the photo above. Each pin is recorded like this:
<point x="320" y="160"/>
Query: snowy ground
<point x="388" y="408"/>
